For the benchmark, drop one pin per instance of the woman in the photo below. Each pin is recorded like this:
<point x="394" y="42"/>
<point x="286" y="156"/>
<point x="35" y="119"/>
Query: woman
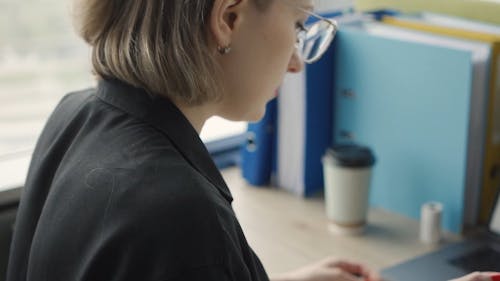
<point x="120" y="185"/>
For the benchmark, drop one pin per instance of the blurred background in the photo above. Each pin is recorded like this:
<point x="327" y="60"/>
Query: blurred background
<point x="41" y="59"/>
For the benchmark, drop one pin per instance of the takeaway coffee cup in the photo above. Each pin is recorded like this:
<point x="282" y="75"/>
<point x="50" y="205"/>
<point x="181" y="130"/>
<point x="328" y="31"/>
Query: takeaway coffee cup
<point x="347" y="172"/>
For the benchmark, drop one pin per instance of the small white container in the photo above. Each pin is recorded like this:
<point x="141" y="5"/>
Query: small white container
<point x="347" y="172"/>
<point x="430" y="223"/>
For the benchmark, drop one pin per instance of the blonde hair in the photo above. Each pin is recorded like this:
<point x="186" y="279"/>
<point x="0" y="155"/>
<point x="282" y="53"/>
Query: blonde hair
<point x="158" y="45"/>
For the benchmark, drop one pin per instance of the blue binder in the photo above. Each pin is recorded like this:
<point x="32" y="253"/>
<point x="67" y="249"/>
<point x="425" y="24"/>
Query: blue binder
<point x="312" y="106"/>
<point x="304" y="127"/>
<point x="258" y="152"/>
<point x="410" y="102"/>
<point x="380" y="13"/>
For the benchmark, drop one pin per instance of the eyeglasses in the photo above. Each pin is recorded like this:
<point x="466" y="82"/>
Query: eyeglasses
<point x="313" y="40"/>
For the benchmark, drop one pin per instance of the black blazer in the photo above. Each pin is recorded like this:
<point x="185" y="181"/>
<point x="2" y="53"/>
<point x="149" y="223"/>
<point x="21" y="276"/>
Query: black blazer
<point x="121" y="188"/>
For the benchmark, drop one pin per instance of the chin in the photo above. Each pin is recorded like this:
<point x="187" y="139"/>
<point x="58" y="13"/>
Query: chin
<point x="257" y="115"/>
<point x="248" y="117"/>
<point x="254" y="119"/>
<point x="253" y="113"/>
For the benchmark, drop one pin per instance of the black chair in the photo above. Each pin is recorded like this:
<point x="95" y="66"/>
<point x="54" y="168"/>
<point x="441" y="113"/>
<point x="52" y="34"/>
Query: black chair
<point x="9" y="201"/>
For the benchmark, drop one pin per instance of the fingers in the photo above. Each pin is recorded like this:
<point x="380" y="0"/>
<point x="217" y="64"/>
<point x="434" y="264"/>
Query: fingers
<point x="337" y="274"/>
<point x="480" y="276"/>
<point x="494" y="276"/>
<point x="353" y="268"/>
<point x="343" y="263"/>
<point x="346" y="276"/>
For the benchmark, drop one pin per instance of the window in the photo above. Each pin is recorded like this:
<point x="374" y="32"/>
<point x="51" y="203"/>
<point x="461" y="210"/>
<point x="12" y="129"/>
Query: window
<point x="41" y="59"/>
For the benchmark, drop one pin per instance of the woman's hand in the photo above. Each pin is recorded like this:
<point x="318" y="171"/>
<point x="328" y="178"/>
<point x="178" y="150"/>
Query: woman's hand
<point x="331" y="269"/>
<point x="480" y="276"/>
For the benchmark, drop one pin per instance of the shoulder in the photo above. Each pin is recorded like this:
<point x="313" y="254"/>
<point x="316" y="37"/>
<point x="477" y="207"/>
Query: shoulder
<point x="154" y="187"/>
<point x="158" y="210"/>
<point x="170" y="213"/>
<point x="160" y="182"/>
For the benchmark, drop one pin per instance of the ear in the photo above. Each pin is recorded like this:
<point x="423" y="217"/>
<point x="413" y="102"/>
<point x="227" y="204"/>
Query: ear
<point x="225" y="17"/>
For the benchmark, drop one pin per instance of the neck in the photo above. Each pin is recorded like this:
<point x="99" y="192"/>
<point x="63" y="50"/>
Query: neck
<point x="196" y="115"/>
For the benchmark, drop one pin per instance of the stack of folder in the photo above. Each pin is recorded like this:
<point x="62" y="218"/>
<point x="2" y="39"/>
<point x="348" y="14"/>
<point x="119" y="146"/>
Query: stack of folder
<point x="422" y="91"/>
<point x="408" y="95"/>
<point x="486" y="175"/>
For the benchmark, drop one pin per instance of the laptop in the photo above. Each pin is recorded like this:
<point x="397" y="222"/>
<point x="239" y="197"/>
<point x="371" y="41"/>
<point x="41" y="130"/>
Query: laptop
<point x="477" y="253"/>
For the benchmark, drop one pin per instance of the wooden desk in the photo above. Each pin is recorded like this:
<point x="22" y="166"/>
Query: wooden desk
<point x="287" y="232"/>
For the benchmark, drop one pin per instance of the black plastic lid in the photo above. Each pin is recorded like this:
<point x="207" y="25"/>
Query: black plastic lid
<point x="350" y="155"/>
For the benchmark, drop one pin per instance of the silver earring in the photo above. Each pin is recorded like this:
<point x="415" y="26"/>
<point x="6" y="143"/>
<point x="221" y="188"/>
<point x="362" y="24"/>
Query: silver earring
<point x="224" y="50"/>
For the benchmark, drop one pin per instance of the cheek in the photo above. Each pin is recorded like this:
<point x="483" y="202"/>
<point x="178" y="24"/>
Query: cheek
<point x="268" y="61"/>
<point x="261" y="56"/>
<point x="285" y="45"/>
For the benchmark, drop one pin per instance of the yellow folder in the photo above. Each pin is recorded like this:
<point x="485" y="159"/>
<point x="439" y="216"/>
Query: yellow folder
<point x="491" y="167"/>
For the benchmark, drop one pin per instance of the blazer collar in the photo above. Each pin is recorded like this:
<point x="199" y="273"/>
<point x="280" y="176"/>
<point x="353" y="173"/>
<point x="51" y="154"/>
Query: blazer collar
<point x="166" y="117"/>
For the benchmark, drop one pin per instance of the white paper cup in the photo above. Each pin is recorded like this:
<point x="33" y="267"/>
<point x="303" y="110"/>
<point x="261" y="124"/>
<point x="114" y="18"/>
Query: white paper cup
<point x="347" y="173"/>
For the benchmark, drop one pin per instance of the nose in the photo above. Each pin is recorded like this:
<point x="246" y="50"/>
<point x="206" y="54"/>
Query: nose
<point x="296" y="63"/>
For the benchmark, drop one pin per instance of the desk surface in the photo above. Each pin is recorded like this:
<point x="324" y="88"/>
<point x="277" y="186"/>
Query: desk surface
<point x="287" y="232"/>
